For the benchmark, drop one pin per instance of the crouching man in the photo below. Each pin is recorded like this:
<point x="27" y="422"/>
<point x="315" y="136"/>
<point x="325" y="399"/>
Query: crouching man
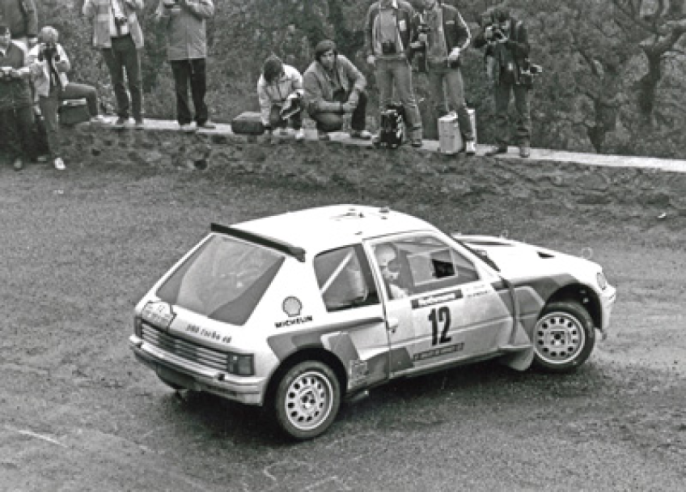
<point x="335" y="87"/>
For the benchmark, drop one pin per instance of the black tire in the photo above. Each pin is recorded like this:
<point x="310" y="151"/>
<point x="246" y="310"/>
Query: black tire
<point x="307" y="400"/>
<point x="563" y="338"/>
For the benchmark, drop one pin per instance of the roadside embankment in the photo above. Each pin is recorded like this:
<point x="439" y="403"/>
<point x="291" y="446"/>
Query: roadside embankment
<point x="557" y="179"/>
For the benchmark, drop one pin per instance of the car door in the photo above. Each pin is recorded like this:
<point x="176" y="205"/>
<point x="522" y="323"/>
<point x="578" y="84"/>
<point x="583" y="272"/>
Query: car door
<point x="355" y="316"/>
<point x="447" y="311"/>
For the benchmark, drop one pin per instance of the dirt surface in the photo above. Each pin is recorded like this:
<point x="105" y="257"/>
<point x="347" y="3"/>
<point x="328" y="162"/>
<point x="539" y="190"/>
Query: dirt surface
<point x="77" y="413"/>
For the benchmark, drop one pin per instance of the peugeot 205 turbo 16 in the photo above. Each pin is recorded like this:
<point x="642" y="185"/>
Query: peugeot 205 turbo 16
<point x="300" y="311"/>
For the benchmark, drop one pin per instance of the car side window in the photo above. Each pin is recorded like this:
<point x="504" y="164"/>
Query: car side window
<point x="432" y="264"/>
<point x="344" y="279"/>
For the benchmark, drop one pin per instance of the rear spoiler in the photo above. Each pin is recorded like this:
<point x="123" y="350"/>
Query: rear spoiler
<point x="266" y="241"/>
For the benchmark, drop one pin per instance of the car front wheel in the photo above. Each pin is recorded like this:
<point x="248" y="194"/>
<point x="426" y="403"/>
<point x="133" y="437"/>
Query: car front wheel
<point x="307" y="400"/>
<point x="563" y="337"/>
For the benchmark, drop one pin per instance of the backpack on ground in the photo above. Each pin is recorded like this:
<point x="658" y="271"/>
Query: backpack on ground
<point x="392" y="129"/>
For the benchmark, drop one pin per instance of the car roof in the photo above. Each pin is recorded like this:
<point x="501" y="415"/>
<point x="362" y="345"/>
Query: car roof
<point x="323" y="228"/>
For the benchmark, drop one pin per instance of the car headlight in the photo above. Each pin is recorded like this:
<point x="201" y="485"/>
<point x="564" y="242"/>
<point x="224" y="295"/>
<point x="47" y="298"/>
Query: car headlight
<point x="602" y="281"/>
<point x="241" y="364"/>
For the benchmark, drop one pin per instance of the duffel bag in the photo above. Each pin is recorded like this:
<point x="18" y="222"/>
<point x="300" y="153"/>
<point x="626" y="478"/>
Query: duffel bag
<point x="73" y="111"/>
<point x="248" y="123"/>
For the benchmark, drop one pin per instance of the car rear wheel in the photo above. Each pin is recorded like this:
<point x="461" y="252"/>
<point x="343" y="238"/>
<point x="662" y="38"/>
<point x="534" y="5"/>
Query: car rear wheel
<point x="307" y="400"/>
<point x="563" y="337"/>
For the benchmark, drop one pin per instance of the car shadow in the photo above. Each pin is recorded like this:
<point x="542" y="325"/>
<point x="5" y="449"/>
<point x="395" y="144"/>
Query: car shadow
<point x="479" y="385"/>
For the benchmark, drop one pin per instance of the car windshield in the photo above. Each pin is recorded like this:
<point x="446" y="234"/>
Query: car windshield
<point x="223" y="280"/>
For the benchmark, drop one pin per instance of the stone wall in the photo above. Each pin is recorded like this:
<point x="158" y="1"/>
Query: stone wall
<point x="550" y="182"/>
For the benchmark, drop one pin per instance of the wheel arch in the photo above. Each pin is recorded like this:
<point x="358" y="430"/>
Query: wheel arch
<point x="583" y="295"/>
<point x="310" y="353"/>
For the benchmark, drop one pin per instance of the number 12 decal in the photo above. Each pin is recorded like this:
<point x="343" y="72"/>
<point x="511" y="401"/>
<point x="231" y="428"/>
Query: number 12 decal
<point x="440" y="315"/>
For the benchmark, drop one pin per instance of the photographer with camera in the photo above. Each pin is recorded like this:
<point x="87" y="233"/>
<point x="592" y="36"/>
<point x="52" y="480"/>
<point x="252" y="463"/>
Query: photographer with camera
<point x="16" y="116"/>
<point x="441" y="32"/>
<point x="335" y="87"/>
<point x="508" y="41"/>
<point x="280" y="92"/>
<point x="388" y="34"/>
<point x="49" y="65"/>
<point x="22" y="20"/>
<point x="185" y="24"/>
<point x="117" y="33"/>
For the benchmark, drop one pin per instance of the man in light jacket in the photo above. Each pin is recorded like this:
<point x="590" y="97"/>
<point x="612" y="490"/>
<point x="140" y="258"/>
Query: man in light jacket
<point x="49" y="65"/>
<point x="280" y="92"/>
<point x="185" y="24"/>
<point x="334" y="87"/>
<point x="117" y="32"/>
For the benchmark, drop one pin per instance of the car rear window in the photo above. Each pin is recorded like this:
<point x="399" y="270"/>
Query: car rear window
<point x="223" y="280"/>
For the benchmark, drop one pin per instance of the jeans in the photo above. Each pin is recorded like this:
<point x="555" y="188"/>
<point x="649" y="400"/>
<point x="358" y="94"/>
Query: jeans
<point x="124" y="56"/>
<point x="399" y="73"/>
<point x="522" y="107"/>
<point x="449" y="80"/>
<point x="81" y="91"/>
<point x="332" y="122"/>
<point x="192" y="71"/>
<point x="16" y="128"/>
<point x="48" y="108"/>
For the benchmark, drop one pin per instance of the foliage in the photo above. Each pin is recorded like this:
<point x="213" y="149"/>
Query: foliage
<point x="613" y="77"/>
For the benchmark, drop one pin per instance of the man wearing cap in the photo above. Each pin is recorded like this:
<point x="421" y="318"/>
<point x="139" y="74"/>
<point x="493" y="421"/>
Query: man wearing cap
<point x="16" y="117"/>
<point x="117" y="32"/>
<point x="21" y="19"/>
<point x="335" y="87"/>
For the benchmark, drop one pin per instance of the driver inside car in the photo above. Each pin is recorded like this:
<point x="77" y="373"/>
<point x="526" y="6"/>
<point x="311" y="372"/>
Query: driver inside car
<point x="387" y="259"/>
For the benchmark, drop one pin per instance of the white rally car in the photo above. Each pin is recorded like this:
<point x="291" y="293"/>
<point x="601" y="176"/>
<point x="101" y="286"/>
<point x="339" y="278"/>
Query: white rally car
<point x="302" y="310"/>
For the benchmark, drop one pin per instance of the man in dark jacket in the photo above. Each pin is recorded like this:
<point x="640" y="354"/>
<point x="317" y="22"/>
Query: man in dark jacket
<point x="184" y="21"/>
<point x="441" y="33"/>
<point x="334" y="87"/>
<point x="16" y="117"/>
<point x="388" y="33"/>
<point x="21" y="18"/>
<point x="509" y="42"/>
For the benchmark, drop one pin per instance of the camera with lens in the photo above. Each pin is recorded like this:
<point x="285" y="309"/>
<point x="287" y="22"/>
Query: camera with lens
<point x="388" y="48"/>
<point x="6" y="72"/>
<point x="48" y="52"/>
<point x="528" y="73"/>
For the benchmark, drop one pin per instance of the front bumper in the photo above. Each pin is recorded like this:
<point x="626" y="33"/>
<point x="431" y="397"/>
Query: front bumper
<point x="192" y="376"/>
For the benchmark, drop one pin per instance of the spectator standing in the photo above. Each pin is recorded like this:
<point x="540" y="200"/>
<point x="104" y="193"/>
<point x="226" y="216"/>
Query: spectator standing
<point x="16" y="116"/>
<point x="508" y="40"/>
<point x="49" y="65"/>
<point x="334" y="87"/>
<point x="442" y="33"/>
<point x="280" y="91"/>
<point x="388" y="33"/>
<point x="118" y="34"/>
<point x="185" y="24"/>
<point x="21" y="18"/>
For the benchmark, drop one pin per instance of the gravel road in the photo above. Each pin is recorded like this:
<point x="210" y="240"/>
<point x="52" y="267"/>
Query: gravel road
<point x="77" y="413"/>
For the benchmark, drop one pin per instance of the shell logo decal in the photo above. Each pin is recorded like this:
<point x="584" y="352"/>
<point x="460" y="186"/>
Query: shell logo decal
<point x="292" y="306"/>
